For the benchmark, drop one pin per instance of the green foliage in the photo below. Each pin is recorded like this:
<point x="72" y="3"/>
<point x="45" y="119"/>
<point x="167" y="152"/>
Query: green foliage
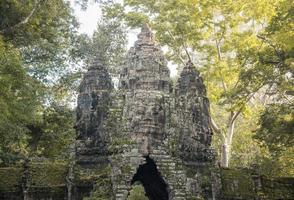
<point x="51" y="135"/>
<point x="276" y="127"/>
<point x="137" y="193"/>
<point x="108" y="44"/>
<point x="280" y="188"/>
<point x="38" y="44"/>
<point x="245" y="150"/>
<point x="43" y="31"/>
<point x="17" y="99"/>
<point x="272" y="62"/>
<point x="276" y="134"/>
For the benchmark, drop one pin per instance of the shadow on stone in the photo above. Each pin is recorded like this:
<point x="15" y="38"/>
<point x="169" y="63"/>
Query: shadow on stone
<point x="154" y="185"/>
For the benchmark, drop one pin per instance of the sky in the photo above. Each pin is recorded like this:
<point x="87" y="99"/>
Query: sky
<point x="89" y="18"/>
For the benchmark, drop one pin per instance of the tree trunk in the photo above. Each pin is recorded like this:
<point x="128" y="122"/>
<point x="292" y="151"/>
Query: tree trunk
<point x="226" y="147"/>
<point x="225" y="155"/>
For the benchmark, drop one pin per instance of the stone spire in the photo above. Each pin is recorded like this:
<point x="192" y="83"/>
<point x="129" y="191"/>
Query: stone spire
<point x="145" y="80"/>
<point x="190" y="81"/>
<point x="92" y="106"/>
<point x="145" y="66"/>
<point x="193" y="107"/>
<point x="145" y="36"/>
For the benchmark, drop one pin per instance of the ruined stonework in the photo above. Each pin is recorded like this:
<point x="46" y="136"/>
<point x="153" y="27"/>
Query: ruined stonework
<point x="192" y="107"/>
<point x="152" y="132"/>
<point x="93" y="103"/>
<point x="91" y="150"/>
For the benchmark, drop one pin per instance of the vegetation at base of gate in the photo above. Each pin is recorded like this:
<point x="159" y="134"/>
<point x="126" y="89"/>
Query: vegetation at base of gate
<point x="137" y="193"/>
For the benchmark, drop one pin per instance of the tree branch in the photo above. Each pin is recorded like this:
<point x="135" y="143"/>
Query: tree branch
<point x="178" y="54"/>
<point x="24" y="21"/>
<point x="214" y="126"/>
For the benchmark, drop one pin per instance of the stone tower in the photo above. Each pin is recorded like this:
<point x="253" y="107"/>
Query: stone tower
<point x="93" y="105"/>
<point x="146" y="132"/>
<point x="91" y="150"/>
<point x="192" y="107"/>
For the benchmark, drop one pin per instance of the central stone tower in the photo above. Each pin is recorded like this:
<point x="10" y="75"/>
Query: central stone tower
<point x="151" y="132"/>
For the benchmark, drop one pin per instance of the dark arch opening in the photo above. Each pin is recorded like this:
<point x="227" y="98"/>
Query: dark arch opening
<point x="154" y="185"/>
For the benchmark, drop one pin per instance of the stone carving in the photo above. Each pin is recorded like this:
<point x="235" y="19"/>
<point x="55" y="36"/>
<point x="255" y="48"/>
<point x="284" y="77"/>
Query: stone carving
<point x="145" y="81"/>
<point x="193" y="106"/>
<point x="156" y="135"/>
<point x="145" y="66"/>
<point x="93" y="103"/>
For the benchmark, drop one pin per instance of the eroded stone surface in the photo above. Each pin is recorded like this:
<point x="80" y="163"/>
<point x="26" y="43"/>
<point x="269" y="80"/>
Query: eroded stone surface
<point x="148" y="122"/>
<point x="93" y="104"/>
<point x="194" y="118"/>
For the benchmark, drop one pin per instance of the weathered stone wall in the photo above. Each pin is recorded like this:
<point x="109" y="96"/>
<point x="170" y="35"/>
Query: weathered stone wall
<point x="246" y="184"/>
<point x="48" y="181"/>
<point x="34" y="180"/>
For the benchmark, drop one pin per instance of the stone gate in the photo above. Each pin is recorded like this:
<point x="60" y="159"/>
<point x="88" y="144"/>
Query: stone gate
<point x="148" y="131"/>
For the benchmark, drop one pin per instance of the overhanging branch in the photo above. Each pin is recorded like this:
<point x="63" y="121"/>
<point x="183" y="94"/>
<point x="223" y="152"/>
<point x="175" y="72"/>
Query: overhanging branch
<point x="25" y="20"/>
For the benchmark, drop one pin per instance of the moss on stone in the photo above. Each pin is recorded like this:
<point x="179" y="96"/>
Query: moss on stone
<point x="92" y="176"/>
<point x="117" y="144"/>
<point x="126" y="169"/>
<point x="237" y="184"/>
<point x="281" y="188"/>
<point x="10" y="179"/>
<point x="101" y="179"/>
<point x="190" y="172"/>
<point x="48" y="174"/>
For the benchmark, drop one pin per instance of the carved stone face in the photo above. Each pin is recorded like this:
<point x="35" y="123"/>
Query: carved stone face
<point x="148" y="114"/>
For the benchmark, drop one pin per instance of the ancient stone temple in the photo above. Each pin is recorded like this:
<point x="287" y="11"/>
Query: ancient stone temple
<point x="148" y="131"/>
<point x="148" y="134"/>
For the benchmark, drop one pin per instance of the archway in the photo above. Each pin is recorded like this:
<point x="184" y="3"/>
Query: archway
<point x="154" y="185"/>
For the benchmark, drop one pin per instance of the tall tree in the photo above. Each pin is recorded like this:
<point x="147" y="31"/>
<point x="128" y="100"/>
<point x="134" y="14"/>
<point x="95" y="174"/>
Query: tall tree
<point x="18" y="100"/>
<point x="108" y="44"/>
<point x="38" y="44"/>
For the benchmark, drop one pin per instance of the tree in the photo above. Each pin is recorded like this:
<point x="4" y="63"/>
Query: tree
<point x="274" y="71"/>
<point x="44" y="32"/>
<point x="108" y="44"/>
<point x="18" y="101"/>
<point x="52" y="133"/>
<point x="38" y="45"/>
<point x="276" y="127"/>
